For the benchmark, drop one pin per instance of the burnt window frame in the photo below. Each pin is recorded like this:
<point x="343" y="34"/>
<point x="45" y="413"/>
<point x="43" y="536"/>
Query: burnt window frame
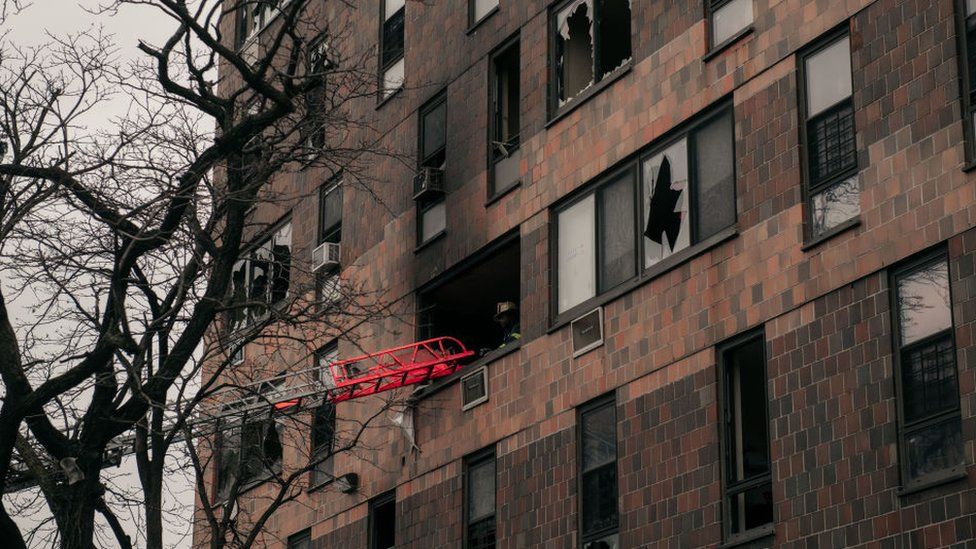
<point x="382" y="94"/>
<point x="554" y="110"/>
<point x="967" y="87"/>
<point x="685" y="131"/>
<point x="811" y="187"/>
<point x="608" y="400"/>
<point x="427" y="204"/>
<point x="474" y="21"/>
<point x="506" y="47"/>
<point x="712" y="6"/>
<point x="471" y="461"/>
<point x="906" y="268"/>
<point x="732" y="488"/>
<point x="246" y="456"/>
<point x="386" y="498"/>
<point x="246" y="257"/>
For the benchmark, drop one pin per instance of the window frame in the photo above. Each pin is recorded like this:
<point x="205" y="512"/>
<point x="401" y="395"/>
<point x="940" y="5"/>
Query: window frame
<point x="386" y="498"/>
<point x="423" y="206"/>
<point x="712" y="6"/>
<point x="553" y="109"/>
<point x="608" y="400"/>
<point x="246" y="256"/>
<point x="635" y="162"/>
<point x="966" y="95"/>
<point x="469" y="462"/>
<point x="511" y="43"/>
<point x="239" y="424"/>
<point x="731" y="488"/>
<point x="908" y="267"/>
<point x="810" y="188"/>
<point x="332" y="233"/>
<point x="473" y="21"/>
<point x="383" y="94"/>
<point x="300" y="537"/>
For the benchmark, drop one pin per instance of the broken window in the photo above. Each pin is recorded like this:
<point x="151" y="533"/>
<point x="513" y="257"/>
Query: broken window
<point x="683" y="194"/>
<point x="831" y="147"/>
<point x="382" y="521"/>
<point x="261" y="279"/>
<point x="253" y="16"/>
<point x="505" y="124"/>
<point x="745" y="431"/>
<point x="479" y="487"/>
<point x="465" y="304"/>
<point x="301" y="540"/>
<point x="248" y="451"/>
<point x="599" y="509"/>
<point x="315" y="98"/>
<point x="392" y="47"/>
<point x="929" y="388"/>
<point x="479" y="9"/>
<point x="431" y="210"/>
<point x="728" y="19"/>
<point x="592" y="40"/>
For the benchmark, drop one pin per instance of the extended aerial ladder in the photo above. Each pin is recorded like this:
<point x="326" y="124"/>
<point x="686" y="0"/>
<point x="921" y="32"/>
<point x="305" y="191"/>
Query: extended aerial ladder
<point x="291" y="392"/>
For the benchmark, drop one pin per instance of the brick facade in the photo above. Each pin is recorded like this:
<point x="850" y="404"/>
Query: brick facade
<point x="825" y="309"/>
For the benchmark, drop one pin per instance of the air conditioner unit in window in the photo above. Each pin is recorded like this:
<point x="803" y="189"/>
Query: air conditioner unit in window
<point x="474" y="388"/>
<point x="428" y="182"/>
<point x="325" y="256"/>
<point x="587" y="332"/>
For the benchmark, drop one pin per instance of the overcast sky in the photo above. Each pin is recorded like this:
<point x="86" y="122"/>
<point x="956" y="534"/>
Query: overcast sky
<point x="128" y="26"/>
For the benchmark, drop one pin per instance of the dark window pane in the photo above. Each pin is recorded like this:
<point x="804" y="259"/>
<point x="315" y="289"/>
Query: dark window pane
<point x="393" y="38"/>
<point x="481" y="490"/>
<point x="330" y="213"/>
<point x="599" y="437"/>
<point x="748" y="428"/>
<point x="228" y="459"/>
<point x="505" y="104"/>
<point x="971" y="52"/>
<point x="751" y="508"/>
<point x="923" y="303"/>
<point x="574" y="50"/>
<point x="715" y="168"/>
<point x="934" y="448"/>
<point x="835" y="204"/>
<point x="281" y="253"/>
<point x="323" y="427"/>
<point x="614" y="16"/>
<point x="929" y="379"/>
<point x="383" y="522"/>
<point x="599" y="499"/>
<point x="832" y="147"/>
<point x="302" y="540"/>
<point x="617" y="246"/>
<point x="435" y="129"/>
<point x="481" y="534"/>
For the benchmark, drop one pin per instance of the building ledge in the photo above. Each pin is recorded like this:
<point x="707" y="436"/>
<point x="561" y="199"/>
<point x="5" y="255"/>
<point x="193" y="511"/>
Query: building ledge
<point x="754" y="535"/>
<point x="439" y="385"/>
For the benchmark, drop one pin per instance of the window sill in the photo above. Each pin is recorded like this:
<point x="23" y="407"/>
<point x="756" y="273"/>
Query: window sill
<point x="594" y="90"/>
<point x="502" y="194"/>
<point x="756" y="534"/>
<point x="934" y="480"/>
<point x="479" y="22"/>
<point x="729" y="42"/>
<point x="665" y="266"/>
<point x="445" y="382"/>
<point x="969" y="166"/>
<point x="429" y="241"/>
<point x="319" y="486"/>
<point x="382" y="101"/>
<point x="852" y="223"/>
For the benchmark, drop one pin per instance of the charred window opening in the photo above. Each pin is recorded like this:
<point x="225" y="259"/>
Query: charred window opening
<point x="505" y="118"/>
<point x="392" y="47"/>
<point x="591" y="40"/>
<point x="248" y="451"/>
<point x="261" y="279"/>
<point x="382" y="521"/>
<point x="330" y="212"/>
<point x="748" y="477"/>
<point x="467" y="305"/>
<point x="931" y="430"/>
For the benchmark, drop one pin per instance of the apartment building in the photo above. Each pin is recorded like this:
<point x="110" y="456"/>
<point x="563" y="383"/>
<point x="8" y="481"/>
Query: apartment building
<point x="740" y="238"/>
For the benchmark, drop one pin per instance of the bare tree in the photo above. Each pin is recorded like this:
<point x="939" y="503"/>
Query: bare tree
<point x="136" y="245"/>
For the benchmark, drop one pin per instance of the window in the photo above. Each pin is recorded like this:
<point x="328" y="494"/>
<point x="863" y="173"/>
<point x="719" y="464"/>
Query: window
<point x="248" y="451"/>
<point x="315" y="98"/>
<point x="505" y="106"/>
<point x="967" y="40"/>
<point x="745" y="436"/>
<point x="833" y="189"/>
<point x="323" y="438"/>
<point x="261" y="278"/>
<point x="330" y="212"/>
<point x="727" y="20"/>
<point x="479" y="502"/>
<point x="382" y="521"/>
<point x="598" y="474"/>
<point x="253" y="16"/>
<point x="590" y="39"/>
<point x="931" y="437"/>
<point x="479" y="9"/>
<point x="301" y="540"/>
<point x="431" y="212"/>
<point x="391" y="47"/>
<point x="664" y="194"/>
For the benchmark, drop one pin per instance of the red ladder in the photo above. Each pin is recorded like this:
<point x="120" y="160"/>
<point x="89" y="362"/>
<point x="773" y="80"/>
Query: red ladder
<point x="393" y="368"/>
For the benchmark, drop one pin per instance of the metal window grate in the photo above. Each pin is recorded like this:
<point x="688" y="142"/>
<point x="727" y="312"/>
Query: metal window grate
<point x="833" y="150"/>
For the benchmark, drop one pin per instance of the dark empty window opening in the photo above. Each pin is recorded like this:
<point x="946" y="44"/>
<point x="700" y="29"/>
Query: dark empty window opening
<point x="478" y="306"/>
<point x="748" y="477"/>
<point x="323" y="439"/>
<point x="330" y="213"/>
<point x="260" y="279"/>
<point x="382" y="521"/>
<point x="248" y="451"/>
<point x="505" y="119"/>
<point x="591" y="40"/>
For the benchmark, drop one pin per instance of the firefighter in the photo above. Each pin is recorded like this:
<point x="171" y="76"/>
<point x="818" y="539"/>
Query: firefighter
<point x="507" y="316"/>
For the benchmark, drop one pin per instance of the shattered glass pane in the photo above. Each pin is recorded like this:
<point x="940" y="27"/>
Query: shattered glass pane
<point x="835" y="205"/>
<point x="574" y="49"/>
<point x="730" y="19"/>
<point x="924" y="308"/>
<point x="614" y="35"/>
<point x="935" y="448"/>
<point x="576" y="254"/>
<point x="665" y="177"/>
